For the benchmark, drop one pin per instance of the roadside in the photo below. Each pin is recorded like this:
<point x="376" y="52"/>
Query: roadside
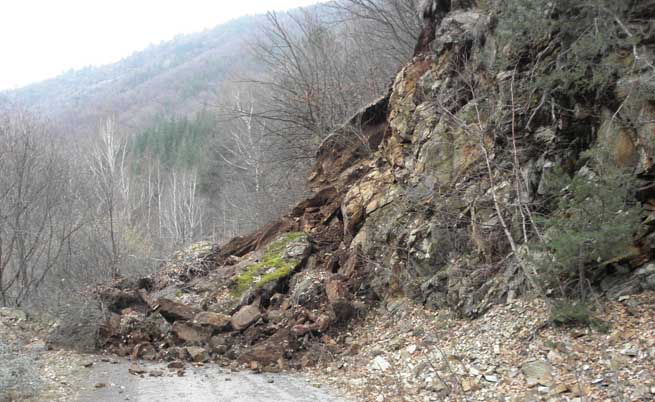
<point x="400" y="352"/>
<point x="406" y="353"/>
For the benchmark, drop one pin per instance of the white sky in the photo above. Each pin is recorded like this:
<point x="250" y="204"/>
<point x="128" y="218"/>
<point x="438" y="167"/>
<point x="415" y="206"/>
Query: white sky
<point x="40" y="39"/>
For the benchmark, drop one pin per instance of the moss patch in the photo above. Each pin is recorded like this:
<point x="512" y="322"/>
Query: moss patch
<point x="272" y="266"/>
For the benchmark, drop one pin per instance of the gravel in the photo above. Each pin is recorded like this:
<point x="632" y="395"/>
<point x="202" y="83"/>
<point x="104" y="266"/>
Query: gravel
<point x="19" y="378"/>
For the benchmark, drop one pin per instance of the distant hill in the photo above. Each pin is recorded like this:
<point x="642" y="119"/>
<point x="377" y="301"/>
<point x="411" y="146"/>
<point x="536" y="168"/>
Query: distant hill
<point x="172" y="78"/>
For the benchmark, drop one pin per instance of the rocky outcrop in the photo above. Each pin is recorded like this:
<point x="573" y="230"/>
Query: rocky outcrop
<point x="419" y="204"/>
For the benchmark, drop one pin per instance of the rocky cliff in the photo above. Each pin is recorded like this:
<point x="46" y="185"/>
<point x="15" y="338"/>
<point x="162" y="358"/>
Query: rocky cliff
<point x="431" y="193"/>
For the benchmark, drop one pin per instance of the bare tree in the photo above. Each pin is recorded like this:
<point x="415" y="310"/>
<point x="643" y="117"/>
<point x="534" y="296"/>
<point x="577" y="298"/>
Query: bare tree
<point x="107" y="163"/>
<point x="182" y="212"/>
<point x="392" y="27"/>
<point x="35" y="216"/>
<point x="317" y="76"/>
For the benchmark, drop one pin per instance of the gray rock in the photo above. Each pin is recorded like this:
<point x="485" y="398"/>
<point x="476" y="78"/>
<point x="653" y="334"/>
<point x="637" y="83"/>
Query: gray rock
<point x="379" y="364"/>
<point x="306" y="290"/>
<point x="12" y="314"/>
<point x="198" y="355"/>
<point x="538" y="372"/>
<point x="491" y="378"/>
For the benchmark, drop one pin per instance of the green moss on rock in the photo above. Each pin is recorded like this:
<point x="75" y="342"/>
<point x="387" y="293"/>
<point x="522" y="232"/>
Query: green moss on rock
<point x="272" y="266"/>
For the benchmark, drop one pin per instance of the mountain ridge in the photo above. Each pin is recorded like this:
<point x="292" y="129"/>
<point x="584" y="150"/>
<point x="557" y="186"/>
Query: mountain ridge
<point x="174" y="77"/>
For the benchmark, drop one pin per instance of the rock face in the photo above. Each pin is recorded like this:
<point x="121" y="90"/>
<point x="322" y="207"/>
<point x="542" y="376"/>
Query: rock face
<point x="420" y="208"/>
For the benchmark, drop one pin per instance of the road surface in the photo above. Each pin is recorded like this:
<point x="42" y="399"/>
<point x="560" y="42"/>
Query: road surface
<point x="109" y="382"/>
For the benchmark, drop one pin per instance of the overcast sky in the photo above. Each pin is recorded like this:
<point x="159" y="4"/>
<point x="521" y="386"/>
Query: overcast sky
<point x="40" y="39"/>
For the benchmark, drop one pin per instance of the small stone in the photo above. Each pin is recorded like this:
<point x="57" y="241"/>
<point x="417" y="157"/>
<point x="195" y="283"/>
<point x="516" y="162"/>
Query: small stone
<point x="156" y="373"/>
<point x="470" y="385"/>
<point x="436" y="385"/>
<point x="198" y="355"/>
<point x="136" y="370"/>
<point x="491" y="378"/>
<point x="100" y="385"/>
<point x="538" y="372"/>
<point x="554" y="357"/>
<point x="177" y="364"/>
<point x="379" y="364"/>
<point x="411" y="349"/>
<point x="560" y="389"/>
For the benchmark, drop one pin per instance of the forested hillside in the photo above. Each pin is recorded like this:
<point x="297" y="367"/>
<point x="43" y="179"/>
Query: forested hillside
<point x="171" y="78"/>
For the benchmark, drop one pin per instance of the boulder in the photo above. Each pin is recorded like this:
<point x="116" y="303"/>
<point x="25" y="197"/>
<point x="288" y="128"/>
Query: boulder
<point x="220" y="344"/>
<point x="117" y="299"/>
<point x="245" y="317"/>
<point x="335" y="289"/>
<point x="198" y="355"/>
<point x="265" y="354"/>
<point x="144" y="350"/>
<point x="155" y="326"/>
<point x="343" y="310"/>
<point x="270" y="352"/>
<point x="191" y="333"/>
<point x="173" y="311"/>
<point x="306" y="289"/>
<point x="215" y="320"/>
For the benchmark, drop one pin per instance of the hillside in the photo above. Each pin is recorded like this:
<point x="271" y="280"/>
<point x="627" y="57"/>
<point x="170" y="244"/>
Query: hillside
<point x="484" y="230"/>
<point x="172" y="78"/>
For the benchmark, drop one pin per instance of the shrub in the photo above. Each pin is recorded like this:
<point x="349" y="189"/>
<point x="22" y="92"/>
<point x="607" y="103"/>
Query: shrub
<point x="574" y="46"/>
<point x="566" y="312"/>
<point x="594" y="222"/>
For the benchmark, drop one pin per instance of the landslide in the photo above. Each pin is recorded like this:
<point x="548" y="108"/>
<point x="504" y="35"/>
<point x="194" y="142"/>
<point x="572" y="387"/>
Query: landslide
<point x="415" y="196"/>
